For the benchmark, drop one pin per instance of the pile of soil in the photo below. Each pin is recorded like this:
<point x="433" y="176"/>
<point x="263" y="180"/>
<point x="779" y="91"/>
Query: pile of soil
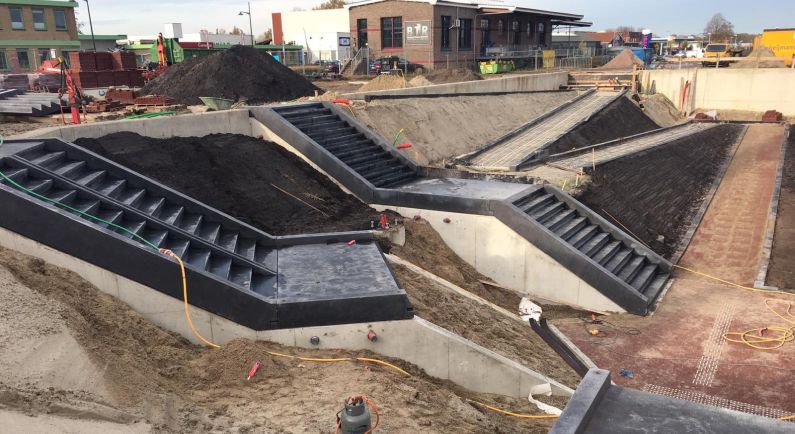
<point x="657" y="193"/>
<point x="121" y="373"/>
<point x="621" y="118"/>
<point x="385" y="82"/>
<point x="446" y="127"/>
<point x="241" y="73"/>
<point x="760" y="52"/>
<point x="782" y="262"/>
<point x="483" y="326"/>
<point x="624" y="61"/>
<point x="661" y="110"/>
<point x="452" y="75"/>
<point x="255" y="181"/>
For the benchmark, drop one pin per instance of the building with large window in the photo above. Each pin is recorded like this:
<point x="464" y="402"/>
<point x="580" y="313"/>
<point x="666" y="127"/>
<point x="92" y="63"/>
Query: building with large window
<point x="441" y="33"/>
<point x="32" y="31"/>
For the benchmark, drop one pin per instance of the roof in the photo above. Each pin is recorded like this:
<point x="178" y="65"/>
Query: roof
<point x="101" y="37"/>
<point x="573" y="38"/>
<point x="603" y="37"/>
<point x="56" y="3"/>
<point x="481" y="5"/>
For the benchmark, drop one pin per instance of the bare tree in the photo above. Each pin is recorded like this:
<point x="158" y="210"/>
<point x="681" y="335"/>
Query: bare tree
<point x="719" y="29"/>
<point x="266" y="36"/>
<point x="331" y="4"/>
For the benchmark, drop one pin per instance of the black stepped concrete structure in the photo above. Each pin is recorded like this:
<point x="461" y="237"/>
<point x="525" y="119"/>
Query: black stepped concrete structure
<point x="16" y="102"/>
<point x="561" y="217"/>
<point x="352" y="147"/>
<point x="234" y="270"/>
<point x="452" y="191"/>
<point x="599" y="407"/>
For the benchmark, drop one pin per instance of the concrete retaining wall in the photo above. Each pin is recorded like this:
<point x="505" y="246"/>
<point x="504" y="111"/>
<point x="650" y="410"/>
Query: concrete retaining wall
<point x="440" y="353"/>
<point x="498" y="252"/>
<point x="195" y="125"/>
<point x="511" y="83"/>
<point x="750" y="89"/>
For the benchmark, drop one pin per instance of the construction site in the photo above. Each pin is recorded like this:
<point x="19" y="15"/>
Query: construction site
<point x="234" y="246"/>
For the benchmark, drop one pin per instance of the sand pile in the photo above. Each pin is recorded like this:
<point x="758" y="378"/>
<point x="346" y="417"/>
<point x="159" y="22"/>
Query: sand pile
<point x="255" y="181"/>
<point x="131" y="376"/>
<point x="755" y="61"/>
<point x="625" y="60"/>
<point x="385" y="82"/>
<point x="452" y="75"/>
<point x="240" y="73"/>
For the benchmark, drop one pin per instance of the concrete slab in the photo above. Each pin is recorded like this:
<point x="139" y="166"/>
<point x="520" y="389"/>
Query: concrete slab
<point x="468" y="188"/>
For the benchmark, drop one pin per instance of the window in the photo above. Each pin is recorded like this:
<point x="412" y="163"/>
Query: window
<point x="17" y="23"/>
<point x="22" y="58"/>
<point x="542" y="37"/>
<point x="447" y="22"/>
<point x="484" y="28"/>
<point x="465" y="34"/>
<point x="361" y="31"/>
<point x="38" y="19"/>
<point x="392" y="32"/>
<point x="60" y="20"/>
<point x="500" y="27"/>
<point x="517" y="33"/>
<point x="44" y="54"/>
<point x="3" y="60"/>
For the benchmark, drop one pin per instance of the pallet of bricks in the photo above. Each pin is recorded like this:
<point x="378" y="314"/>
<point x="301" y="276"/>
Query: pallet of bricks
<point x="104" y="69"/>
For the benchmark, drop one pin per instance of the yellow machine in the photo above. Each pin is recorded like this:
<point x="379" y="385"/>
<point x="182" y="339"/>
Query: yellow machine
<point x="781" y="41"/>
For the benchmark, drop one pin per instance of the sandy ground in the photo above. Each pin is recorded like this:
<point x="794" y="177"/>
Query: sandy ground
<point x="77" y="360"/>
<point x="10" y="126"/>
<point x="445" y="127"/>
<point x="782" y="263"/>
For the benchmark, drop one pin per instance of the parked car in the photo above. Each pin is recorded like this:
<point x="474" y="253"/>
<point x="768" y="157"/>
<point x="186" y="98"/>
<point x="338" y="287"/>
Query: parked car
<point x="384" y="65"/>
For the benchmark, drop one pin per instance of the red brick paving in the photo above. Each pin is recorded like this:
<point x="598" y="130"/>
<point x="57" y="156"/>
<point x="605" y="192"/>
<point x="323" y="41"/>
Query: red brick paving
<point x="672" y="342"/>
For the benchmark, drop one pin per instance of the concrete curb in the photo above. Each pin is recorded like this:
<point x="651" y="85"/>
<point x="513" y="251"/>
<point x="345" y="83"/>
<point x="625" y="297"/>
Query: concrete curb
<point x="770" y="230"/>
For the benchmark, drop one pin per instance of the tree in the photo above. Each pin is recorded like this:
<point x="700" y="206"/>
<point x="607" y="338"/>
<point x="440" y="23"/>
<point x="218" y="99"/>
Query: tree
<point x="266" y="36"/>
<point x="719" y="29"/>
<point x="625" y="29"/>
<point x="236" y="31"/>
<point x="747" y="38"/>
<point x="331" y="4"/>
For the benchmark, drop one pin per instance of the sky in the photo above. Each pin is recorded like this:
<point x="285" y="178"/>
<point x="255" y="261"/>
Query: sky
<point x="147" y="17"/>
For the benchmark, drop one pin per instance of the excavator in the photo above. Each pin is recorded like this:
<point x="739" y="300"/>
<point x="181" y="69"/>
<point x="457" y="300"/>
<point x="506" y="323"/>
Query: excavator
<point x="162" y="60"/>
<point x="68" y="87"/>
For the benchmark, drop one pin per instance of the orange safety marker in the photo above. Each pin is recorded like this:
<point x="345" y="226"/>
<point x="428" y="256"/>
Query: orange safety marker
<point x="404" y="146"/>
<point x="253" y="370"/>
<point x="351" y="243"/>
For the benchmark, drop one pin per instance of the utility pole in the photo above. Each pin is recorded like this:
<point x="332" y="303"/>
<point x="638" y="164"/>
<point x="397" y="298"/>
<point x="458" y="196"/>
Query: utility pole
<point x="250" y="25"/>
<point x="91" y="26"/>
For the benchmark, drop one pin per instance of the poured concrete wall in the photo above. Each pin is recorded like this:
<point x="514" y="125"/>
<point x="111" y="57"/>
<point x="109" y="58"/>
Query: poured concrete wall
<point x="438" y="352"/>
<point x="511" y="83"/>
<point x="746" y="89"/>
<point x="195" y="125"/>
<point x="498" y="252"/>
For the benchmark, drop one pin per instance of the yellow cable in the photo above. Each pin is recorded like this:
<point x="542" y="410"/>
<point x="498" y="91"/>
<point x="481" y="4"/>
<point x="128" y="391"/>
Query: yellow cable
<point x="749" y="288"/>
<point x="342" y="359"/>
<point x="185" y="299"/>
<point x="508" y="413"/>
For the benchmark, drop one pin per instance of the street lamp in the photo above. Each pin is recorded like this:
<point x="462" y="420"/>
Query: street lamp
<point x="250" y="26"/>
<point x="91" y="26"/>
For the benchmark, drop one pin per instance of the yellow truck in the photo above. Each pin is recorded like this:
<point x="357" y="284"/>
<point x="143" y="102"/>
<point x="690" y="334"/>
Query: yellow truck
<point x="781" y="41"/>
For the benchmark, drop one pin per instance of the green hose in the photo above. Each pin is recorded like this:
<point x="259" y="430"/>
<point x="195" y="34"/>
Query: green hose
<point x="67" y="207"/>
<point x="397" y="136"/>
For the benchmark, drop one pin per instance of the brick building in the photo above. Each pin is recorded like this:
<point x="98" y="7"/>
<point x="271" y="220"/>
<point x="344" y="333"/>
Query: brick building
<point x="441" y="33"/>
<point x="35" y="30"/>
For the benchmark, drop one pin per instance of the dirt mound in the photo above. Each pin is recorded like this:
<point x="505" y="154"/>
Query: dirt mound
<point x="385" y="82"/>
<point x="445" y="127"/>
<point x="161" y="383"/>
<point x="253" y="180"/>
<point x="656" y="194"/>
<point x="755" y="61"/>
<point x="661" y="110"/>
<point x="625" y="60"/>
<point x="621" y="118"/>
<point x="453" y="75"/>
<point x="240" y="73"/>
<point x="420" y="81"/>
<point x="484" y="326"/>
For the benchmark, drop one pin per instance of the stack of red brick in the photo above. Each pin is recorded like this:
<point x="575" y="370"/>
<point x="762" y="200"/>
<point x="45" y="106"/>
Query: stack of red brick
<point x="772" y="116"/>
<point x="104" y="69"/>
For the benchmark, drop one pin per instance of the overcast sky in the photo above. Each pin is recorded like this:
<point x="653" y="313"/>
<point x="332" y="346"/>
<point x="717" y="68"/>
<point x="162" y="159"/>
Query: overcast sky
<point x="142" y="17"/>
